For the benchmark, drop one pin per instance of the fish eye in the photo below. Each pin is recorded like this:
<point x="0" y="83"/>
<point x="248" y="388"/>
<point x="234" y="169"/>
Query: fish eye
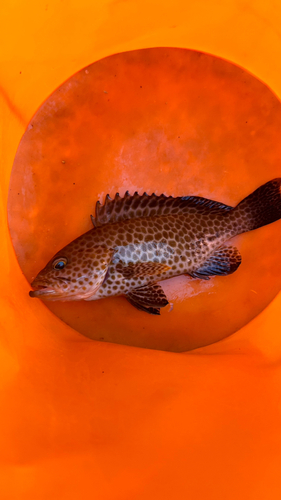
<point x="59" y="263"/>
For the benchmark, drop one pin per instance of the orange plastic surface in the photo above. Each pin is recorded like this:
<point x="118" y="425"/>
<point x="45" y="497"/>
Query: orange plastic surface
<point x="168" y="120"/>
<point x="84" y="419"/>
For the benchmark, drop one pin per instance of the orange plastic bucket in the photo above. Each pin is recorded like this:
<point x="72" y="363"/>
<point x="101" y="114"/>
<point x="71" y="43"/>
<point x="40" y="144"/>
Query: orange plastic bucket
<point x="82" y="418"/>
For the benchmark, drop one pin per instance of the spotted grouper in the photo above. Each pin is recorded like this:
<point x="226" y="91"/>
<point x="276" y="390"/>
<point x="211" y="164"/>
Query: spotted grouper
<point x="138" y="241"/>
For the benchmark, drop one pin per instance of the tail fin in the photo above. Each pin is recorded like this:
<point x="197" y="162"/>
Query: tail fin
<point x="260" y="208"/>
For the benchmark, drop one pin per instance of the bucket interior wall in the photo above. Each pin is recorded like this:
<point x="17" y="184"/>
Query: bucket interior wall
<point x="81" y="418"/>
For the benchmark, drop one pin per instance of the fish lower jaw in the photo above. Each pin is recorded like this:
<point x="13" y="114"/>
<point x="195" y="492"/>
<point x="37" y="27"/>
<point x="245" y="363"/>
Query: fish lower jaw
<point x="42" y="293"/>
<point x="51" y="294"/>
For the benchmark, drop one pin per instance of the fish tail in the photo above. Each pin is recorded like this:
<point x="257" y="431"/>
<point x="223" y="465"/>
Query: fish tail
<point x="260" y="208"/>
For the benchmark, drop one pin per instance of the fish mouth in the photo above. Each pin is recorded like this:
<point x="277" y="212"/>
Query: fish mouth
<point x="47" y="291"/>
<point x="41" y="291"/>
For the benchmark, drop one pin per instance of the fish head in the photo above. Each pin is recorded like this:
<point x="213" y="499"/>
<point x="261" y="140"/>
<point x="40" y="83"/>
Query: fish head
<point x="74" y="273"/>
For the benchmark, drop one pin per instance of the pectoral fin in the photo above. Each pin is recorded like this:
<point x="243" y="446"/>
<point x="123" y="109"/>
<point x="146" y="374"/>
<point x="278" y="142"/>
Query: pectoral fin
<point x="149" y="298"/>
<point x="222" y="262"/>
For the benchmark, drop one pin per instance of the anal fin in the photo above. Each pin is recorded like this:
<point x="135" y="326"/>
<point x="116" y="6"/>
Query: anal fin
<point x="149" y="298"/>
<point x="222" y="262"/>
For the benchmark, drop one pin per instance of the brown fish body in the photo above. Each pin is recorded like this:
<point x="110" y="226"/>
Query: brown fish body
<point x="153" y="249"/>
<point x="139" y="241"/>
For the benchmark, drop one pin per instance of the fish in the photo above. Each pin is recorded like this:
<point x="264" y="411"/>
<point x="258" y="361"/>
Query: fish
<point x="137" y="241"/>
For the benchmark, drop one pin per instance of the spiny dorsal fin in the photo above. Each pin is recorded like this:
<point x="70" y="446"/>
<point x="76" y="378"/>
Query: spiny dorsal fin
<point x="130" y="207"/>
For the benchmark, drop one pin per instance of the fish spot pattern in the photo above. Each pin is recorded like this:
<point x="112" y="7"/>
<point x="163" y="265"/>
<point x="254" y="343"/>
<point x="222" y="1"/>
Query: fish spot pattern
<point x="140" y="240"/>
<point x="167" y="246"/>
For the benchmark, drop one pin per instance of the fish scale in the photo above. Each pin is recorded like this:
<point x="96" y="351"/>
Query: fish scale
<point x="140" y="240"/>
<point x="179" y="251"/>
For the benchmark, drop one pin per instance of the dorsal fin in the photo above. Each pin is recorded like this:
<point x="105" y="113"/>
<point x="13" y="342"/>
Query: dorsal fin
<point x="144" y="205"/>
